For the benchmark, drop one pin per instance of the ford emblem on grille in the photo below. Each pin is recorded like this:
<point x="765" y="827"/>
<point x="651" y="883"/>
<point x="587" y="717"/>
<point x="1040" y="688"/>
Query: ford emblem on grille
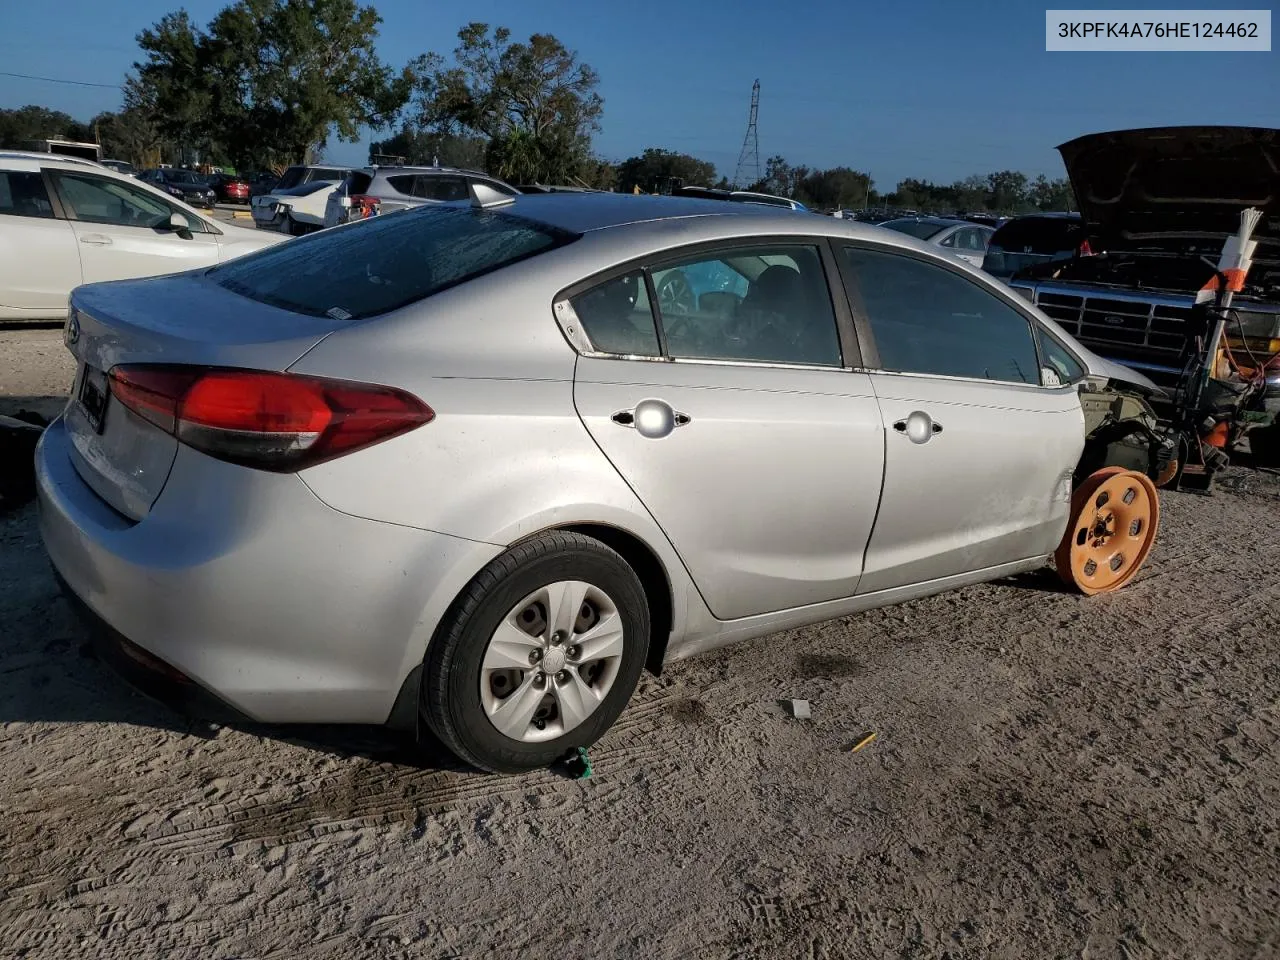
<point x="1113" y="320"/>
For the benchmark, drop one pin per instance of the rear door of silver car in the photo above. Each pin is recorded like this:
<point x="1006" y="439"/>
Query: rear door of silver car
<point x="735" y="412"/>
<point x="978" y="453"/>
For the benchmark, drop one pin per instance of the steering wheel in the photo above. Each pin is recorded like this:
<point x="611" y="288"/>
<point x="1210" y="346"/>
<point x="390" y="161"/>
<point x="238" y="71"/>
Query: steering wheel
<point x="675" y="296"/>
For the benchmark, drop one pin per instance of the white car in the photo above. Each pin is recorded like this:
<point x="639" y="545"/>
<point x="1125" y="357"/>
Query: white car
<point x="296" y="210"/>
<point x="66" y="221"/>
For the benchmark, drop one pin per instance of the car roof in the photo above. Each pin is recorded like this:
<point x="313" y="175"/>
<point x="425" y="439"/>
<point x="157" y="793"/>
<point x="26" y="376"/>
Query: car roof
<point x="410" y="168"/>
<point x="33" y="160"/>
<point x="1048" y="215"/>
<point x="585" y="212"/>
<point x="940" y="221"/>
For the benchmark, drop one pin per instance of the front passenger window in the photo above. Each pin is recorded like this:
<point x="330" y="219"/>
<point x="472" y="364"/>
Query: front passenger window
<point x="927" y="319"/>
<point x="1066" y="368"/>
<point x="100" y="200"/>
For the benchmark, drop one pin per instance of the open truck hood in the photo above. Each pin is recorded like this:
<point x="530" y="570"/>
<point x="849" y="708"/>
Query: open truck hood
<point x="1176" y="189"/>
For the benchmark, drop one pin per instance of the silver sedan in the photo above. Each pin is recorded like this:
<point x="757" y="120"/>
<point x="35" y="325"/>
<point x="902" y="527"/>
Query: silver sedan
<point x="960" y="238"/>
<point x="482" y="463"/>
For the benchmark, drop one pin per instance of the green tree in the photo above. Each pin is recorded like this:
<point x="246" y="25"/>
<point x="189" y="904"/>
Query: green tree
<point x="600" y="174"/>
<point x="128" y="135"/>
<point x="40" y="123"/>
<point x="657" y="170"/>
<point x="426" y="147"/>
<point x="268" y="81"/>
<point x="780" y="178"/>
<point x="534" y="102"/>
<point x="1007" y="191"/>
<point x="834" y="188"/>
<point x="1046" y="194"/>
<point x="971" y="194"/>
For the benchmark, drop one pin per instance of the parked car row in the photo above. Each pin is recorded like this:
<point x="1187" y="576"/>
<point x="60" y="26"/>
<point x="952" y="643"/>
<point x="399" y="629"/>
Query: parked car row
<point x="310" y="198"/>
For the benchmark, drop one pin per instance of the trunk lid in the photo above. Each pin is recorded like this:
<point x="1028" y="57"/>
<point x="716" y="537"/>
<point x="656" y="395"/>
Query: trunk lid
<point x="1176" y="189"/>
<point x="183" y="318"/>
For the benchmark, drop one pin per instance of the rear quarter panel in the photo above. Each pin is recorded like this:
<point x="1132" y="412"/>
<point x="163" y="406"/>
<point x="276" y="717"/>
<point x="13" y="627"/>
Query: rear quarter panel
<point x="506" y="455"/>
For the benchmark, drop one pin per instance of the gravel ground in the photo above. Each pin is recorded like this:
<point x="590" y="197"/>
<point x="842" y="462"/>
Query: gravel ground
<point x="1053" y="777"/>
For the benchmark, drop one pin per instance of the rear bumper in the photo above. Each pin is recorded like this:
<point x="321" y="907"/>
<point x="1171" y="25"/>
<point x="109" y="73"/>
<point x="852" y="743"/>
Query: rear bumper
<point x="149" y="675"/>
<point x="276" y="605"/>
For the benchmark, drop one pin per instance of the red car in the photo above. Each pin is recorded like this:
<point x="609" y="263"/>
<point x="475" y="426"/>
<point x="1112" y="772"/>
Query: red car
<point x="230" y="189"/>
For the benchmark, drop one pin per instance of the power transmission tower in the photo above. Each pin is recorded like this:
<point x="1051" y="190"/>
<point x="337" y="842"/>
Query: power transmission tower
<point x="749" y="158"/>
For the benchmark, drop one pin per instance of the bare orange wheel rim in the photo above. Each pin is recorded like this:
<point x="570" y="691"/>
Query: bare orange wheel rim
<point x="1115" y="516"/>
<point x="1167" y="474"/>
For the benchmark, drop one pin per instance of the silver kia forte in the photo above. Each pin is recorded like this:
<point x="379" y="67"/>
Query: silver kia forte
<point x="481" y="463"/>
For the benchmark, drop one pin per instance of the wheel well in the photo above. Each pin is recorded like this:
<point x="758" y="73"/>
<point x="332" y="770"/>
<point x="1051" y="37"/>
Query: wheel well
<point x="657" y="588"/>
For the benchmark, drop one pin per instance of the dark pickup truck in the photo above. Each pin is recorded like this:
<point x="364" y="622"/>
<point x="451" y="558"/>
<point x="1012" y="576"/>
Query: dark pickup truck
<point x="1158" y="204"/>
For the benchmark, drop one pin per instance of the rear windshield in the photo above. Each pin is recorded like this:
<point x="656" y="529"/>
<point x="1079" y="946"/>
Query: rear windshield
<point x="326" y="173"/>
<point x="1006" y="263"/>
<point x="387" y="262"/>
<point x="315" y="186"/>
<point x="357" y="182"/>
<point x="291" y="178"/>
<point x="920" y="229"/>
<point x="1043" y="235"/>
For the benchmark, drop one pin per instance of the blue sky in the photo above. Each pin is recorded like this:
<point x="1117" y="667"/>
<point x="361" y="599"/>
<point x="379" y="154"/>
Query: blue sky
<point x="934" y="89"/>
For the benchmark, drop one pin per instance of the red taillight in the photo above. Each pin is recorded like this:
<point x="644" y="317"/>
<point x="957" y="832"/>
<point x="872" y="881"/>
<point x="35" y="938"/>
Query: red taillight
<point x="273" y="421"/>
<point x="363" y="206"/>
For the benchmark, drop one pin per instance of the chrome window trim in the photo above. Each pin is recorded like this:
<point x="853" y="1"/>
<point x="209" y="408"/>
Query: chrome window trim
<point x="1015" y="384"/>
<point x="578" y="338"/>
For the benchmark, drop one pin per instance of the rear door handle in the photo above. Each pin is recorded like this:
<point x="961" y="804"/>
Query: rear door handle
<point x="653" y="419"/>
<point x="918" y="427"/>
<point x="96" y="239"/>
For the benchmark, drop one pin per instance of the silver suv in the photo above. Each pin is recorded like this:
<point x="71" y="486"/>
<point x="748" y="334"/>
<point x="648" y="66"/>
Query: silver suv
<point x="376" y="190"/>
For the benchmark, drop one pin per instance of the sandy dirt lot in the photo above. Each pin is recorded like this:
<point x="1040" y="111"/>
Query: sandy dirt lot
<point x="1054" y="777"/>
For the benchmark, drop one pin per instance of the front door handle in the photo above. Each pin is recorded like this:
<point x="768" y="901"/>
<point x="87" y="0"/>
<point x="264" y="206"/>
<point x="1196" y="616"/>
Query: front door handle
<point x="919" y="427"/>
<point x="96" y="239"/>
<point x="653" y="419"/>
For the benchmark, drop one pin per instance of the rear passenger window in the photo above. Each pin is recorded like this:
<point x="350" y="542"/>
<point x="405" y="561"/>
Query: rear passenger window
<point x="972" y="239"/>
<point x="926" y="319"/>
<point x="22" y="194"/>
<point x="432" y="187"/>
<point x="768" y="304"/>
<point x="495" y="185"/>
<point x="617" y="318"/>
<point x="402" y="183"/>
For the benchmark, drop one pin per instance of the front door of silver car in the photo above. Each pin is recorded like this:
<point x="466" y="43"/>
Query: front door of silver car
<point x="978" y="454"/>
<point x="718" y="383"/>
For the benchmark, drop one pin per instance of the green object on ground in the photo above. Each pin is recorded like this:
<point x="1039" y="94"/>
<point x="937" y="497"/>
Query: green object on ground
<point x="578" y="764"/>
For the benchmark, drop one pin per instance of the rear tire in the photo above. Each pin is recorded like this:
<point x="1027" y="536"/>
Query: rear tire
<point x="486" y="663"/>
